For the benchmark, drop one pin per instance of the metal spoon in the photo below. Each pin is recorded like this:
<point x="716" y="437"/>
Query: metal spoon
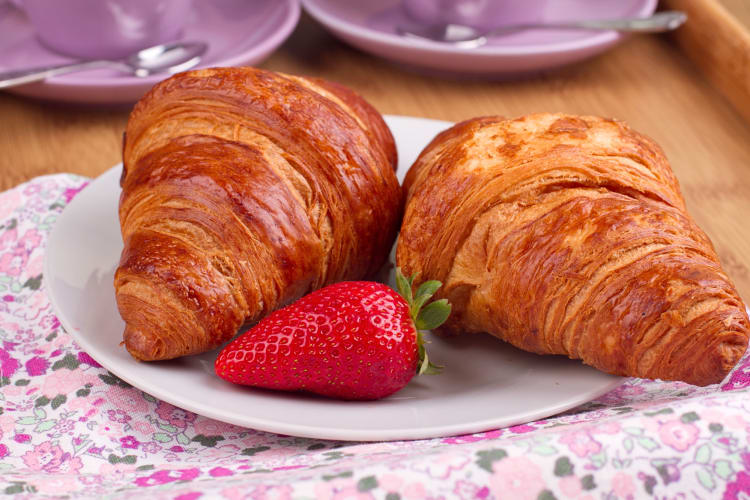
<point x="169" y="57"/>
<point x="469" y="37"/>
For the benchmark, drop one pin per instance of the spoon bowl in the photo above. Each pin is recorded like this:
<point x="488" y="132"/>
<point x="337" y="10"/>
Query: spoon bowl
<point x="170" y="57"/>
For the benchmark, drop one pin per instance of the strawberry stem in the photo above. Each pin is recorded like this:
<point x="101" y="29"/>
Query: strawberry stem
<point x="426" y="316"/>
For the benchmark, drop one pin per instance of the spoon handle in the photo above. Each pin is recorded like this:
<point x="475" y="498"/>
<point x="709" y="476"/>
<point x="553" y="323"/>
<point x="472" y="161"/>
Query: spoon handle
<point x="661" y="21"/>
<point x="20" y="77"/>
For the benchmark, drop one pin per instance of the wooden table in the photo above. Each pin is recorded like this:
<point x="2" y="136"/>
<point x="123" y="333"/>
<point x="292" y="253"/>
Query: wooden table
<point x="647" y="82"/>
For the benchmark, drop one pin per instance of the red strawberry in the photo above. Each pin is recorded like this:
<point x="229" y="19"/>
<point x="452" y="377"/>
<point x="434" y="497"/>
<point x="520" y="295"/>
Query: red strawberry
<point x="350" y="340"/>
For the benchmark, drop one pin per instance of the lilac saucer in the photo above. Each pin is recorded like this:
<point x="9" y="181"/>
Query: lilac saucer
<point x="371" y="26"/>
<point x="239" y="32"/>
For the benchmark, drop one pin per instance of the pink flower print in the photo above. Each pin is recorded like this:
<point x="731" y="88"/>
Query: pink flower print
<point x="12" y="391"/>
<point x="175" y="416"/>
<point x="143" y="427"/>
<point x="167" y="476"/>
<point x="49" y="322"/>
<point x="30" y="240"/>
<point x="235" y="493"/>
<point x="35" y="266"/>
<point x="15" y="261"/>
<point x="337" y="489"/>
<point x="623" y="486"/>
<point x="84" y="358"/>
<point x="115" y="471"/>
<point x="352" y="493"/>
<point x="12" y="263"/>
<point x="150" y="447"/>
<point x="8" y="364"/>
<point x="581" y="443"/>
<point x="26" y="336"/>
<point x="669" y="473"/>
<point x="111" y="428"/>
<point x="11" y="200"/>
<point x="64" y="381"/>
<point x="55" y="485"/>
<point x="220" y="472"/>
<point x="70" y="193"/>
<point x="516" y="478"/>
<point x="95" y="450"/>
<point x="44" y="457"/>
<point x="678" y="435"/>
<point x="442" y="466"/>
<point x="64" y="426"/>
<point x="370" y="448"/>
<point x="125" y="399"/>
<point x="270" y="492"/>
<point x="606" y="428"/>
<point x="118" y="416"/>
<point x="8" y="238"/>
<point x="466" y="490"/>
<point x="625" y="392"/>
<point x="739" y="488"/>
<point x="221" y="453"/>
<point x="393" y="484"/>
<point x="570" y="486"/>
<point x="473" y="438"/>
<point x="70" y="465"/>
<point x="739" y="378"/>
<point x="31" y="189"/>
<point x="129" y="442"/>
<point x="390" y="483"/>
<point x="36" y="366"/>
<point x="82" y="403"/>
<point x="3" y="451"/>
<point x="193" y="495"/>
<point x="22" y="438"/>
<point x="210" y="427"/>
<point x="7" y="423"/>
<point x="521" y="429"/>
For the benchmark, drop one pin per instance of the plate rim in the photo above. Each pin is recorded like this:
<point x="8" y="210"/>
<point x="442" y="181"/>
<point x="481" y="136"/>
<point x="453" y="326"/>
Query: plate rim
<point x="332" y="433"/>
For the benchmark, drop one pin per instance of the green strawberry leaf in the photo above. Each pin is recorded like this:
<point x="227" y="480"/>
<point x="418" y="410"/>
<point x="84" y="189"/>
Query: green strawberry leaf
<point x="427" y="318"/>
<point x="430" y="369"/>
<point x="426" y="367"/>
<point x="424" y="293"/>
<point x="428" y="288"/>
<point x="403" y="285"/>
<point x="433" y="315"/>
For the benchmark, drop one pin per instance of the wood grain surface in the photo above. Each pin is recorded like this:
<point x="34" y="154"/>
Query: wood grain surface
<point x="646" y="81"/>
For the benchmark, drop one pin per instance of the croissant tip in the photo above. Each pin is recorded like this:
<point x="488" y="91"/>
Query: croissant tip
<point x="141" y="346"/>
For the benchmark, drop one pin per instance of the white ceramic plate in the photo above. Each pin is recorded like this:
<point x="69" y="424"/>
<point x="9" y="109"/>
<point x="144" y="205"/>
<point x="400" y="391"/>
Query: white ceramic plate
<point x="486" y="384"/>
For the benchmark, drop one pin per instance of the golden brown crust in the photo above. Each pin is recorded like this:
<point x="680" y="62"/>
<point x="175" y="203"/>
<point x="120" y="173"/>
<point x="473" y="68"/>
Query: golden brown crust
<point x="242" y="190"/>
<point x="568" y="235"/>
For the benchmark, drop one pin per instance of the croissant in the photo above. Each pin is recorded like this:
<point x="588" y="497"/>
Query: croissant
<point x="242" y="190"/>
<point x="569" y="235"/>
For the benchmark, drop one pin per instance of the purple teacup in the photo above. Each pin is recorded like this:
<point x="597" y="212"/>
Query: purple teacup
<point x="108" y="29"/>
<point x="476" y="13"/>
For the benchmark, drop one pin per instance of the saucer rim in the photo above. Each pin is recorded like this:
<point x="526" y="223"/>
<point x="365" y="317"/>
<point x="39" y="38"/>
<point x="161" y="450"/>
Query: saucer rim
<point x="261" y="50"/>
<point x="372" y="35"/>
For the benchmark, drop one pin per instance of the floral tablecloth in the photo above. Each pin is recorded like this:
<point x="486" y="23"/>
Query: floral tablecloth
<point x="69" y="428"/>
